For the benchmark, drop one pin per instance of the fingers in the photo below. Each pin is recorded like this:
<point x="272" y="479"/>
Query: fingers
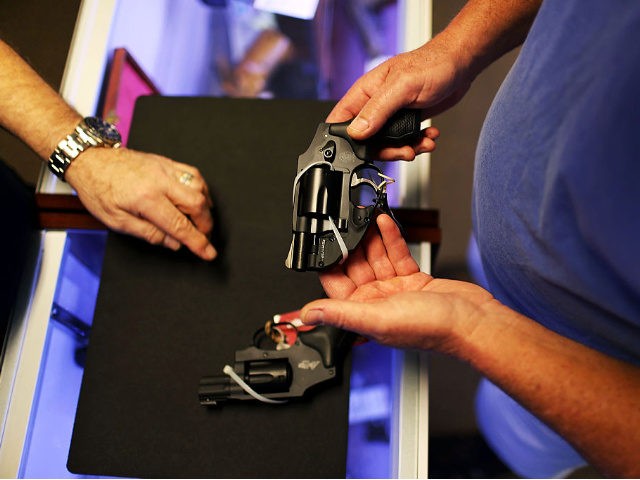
<point x="358" y="269"/>
<point x="396" y="247"/>
<point x="373" y="115"/>
<point x="381" y="256"/>
<point x="405" y="153"/>
<point x="426" y="144"/>
<point x="370" y="102"/>
<point x="167" y="218"/>
<point x="365" y="264"/>
<point x="182" y="212"/>
<point x="193" y="203"/>
<point x="146" y="230"/>
<point x="141" y="228"/>
<point x="351" y="103"/>
<point x="165" y="224"/>
<point x="377" y="257"/>
<point x="374" y="98"/>
<point x="197" y="182"/>
<point x="390" y="87"/>
<point x="336" y="284"/>
<point x="432" y="132"/>
<point x="342" y="280"/>
<point x="171" y="243"/>
<point x="191" y="198"/>
<point x="384" y="254"/>
<point x="357" y="317"/>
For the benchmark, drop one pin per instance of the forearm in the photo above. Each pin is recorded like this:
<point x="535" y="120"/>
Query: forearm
<point x="484" y="30"/>
<point x="29" y="107"/>
<point x="589" y="398"/>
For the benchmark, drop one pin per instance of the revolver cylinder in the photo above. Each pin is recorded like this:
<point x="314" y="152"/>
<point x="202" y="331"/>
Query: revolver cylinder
<point x="319" y="200"/>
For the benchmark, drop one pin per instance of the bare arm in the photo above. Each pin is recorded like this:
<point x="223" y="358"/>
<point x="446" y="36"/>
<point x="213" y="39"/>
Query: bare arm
<point x="484" y="30"/>
<point x="589" y="398"/>
<point x="30" y="108"/>
<point x="129" y="191"/>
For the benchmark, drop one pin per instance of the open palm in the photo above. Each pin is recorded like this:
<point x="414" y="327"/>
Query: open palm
<point x="380" y="293"/>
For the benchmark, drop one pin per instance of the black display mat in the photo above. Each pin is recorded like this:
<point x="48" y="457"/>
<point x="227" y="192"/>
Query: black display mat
<point x="164" y="319"/>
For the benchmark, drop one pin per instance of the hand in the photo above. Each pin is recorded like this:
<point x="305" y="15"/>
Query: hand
<point x="429" y="78"/>
<point x="380" y="293"/>
<point x="249" y="78"/>
<point x="140" y="194"/>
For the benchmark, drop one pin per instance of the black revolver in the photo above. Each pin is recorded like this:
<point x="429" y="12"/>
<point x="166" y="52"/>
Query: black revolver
<point x="281" y="370"/>
<point x="329" y="218"/>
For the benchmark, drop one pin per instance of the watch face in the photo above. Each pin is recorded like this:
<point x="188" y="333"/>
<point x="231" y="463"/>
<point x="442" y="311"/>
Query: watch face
<point x="104" y="130"/>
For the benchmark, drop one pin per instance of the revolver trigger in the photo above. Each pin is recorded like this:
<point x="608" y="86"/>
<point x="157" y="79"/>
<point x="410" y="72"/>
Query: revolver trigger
<point x="387" y="180"/>
<point x="378" y="187"/>
<point x="355" y="181"/>
<point x="383" y="205"/>
<point x="383" y="201"/>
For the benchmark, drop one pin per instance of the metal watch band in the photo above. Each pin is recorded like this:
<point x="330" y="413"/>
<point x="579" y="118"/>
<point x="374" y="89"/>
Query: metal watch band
<point x="70" y="147"/>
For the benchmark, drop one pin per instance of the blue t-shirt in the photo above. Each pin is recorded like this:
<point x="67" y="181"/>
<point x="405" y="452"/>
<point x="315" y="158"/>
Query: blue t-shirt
<point x="557" y="184"/>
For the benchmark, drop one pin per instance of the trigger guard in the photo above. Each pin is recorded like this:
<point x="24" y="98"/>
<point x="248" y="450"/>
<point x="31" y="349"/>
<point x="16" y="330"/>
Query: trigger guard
<point x="359" y="221"/>
<point x="379" y="189"/>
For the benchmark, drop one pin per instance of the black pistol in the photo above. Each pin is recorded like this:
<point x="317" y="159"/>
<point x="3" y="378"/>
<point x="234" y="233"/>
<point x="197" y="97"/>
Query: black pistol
<point x="330" y="213"/>
<point x="283" y="363"/>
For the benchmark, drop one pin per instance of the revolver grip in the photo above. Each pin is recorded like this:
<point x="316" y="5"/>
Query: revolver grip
<point x="403" y="128"/>
<point x="330" y="342"/>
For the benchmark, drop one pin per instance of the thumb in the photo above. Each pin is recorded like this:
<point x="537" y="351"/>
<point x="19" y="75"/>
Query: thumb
<point x="354" y="316"/>
<point x="376" y="112"/>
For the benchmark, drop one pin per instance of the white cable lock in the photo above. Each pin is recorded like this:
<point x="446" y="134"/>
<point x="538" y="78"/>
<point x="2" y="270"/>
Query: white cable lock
<point x="245" y="386"/>
<point x="340" y="240"/>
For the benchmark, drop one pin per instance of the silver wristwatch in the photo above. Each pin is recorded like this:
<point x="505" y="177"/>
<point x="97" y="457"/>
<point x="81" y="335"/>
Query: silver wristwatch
<point x="90" y="132"/>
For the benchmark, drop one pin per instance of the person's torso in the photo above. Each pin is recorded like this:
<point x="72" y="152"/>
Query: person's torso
<point x="557" y="185"/>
